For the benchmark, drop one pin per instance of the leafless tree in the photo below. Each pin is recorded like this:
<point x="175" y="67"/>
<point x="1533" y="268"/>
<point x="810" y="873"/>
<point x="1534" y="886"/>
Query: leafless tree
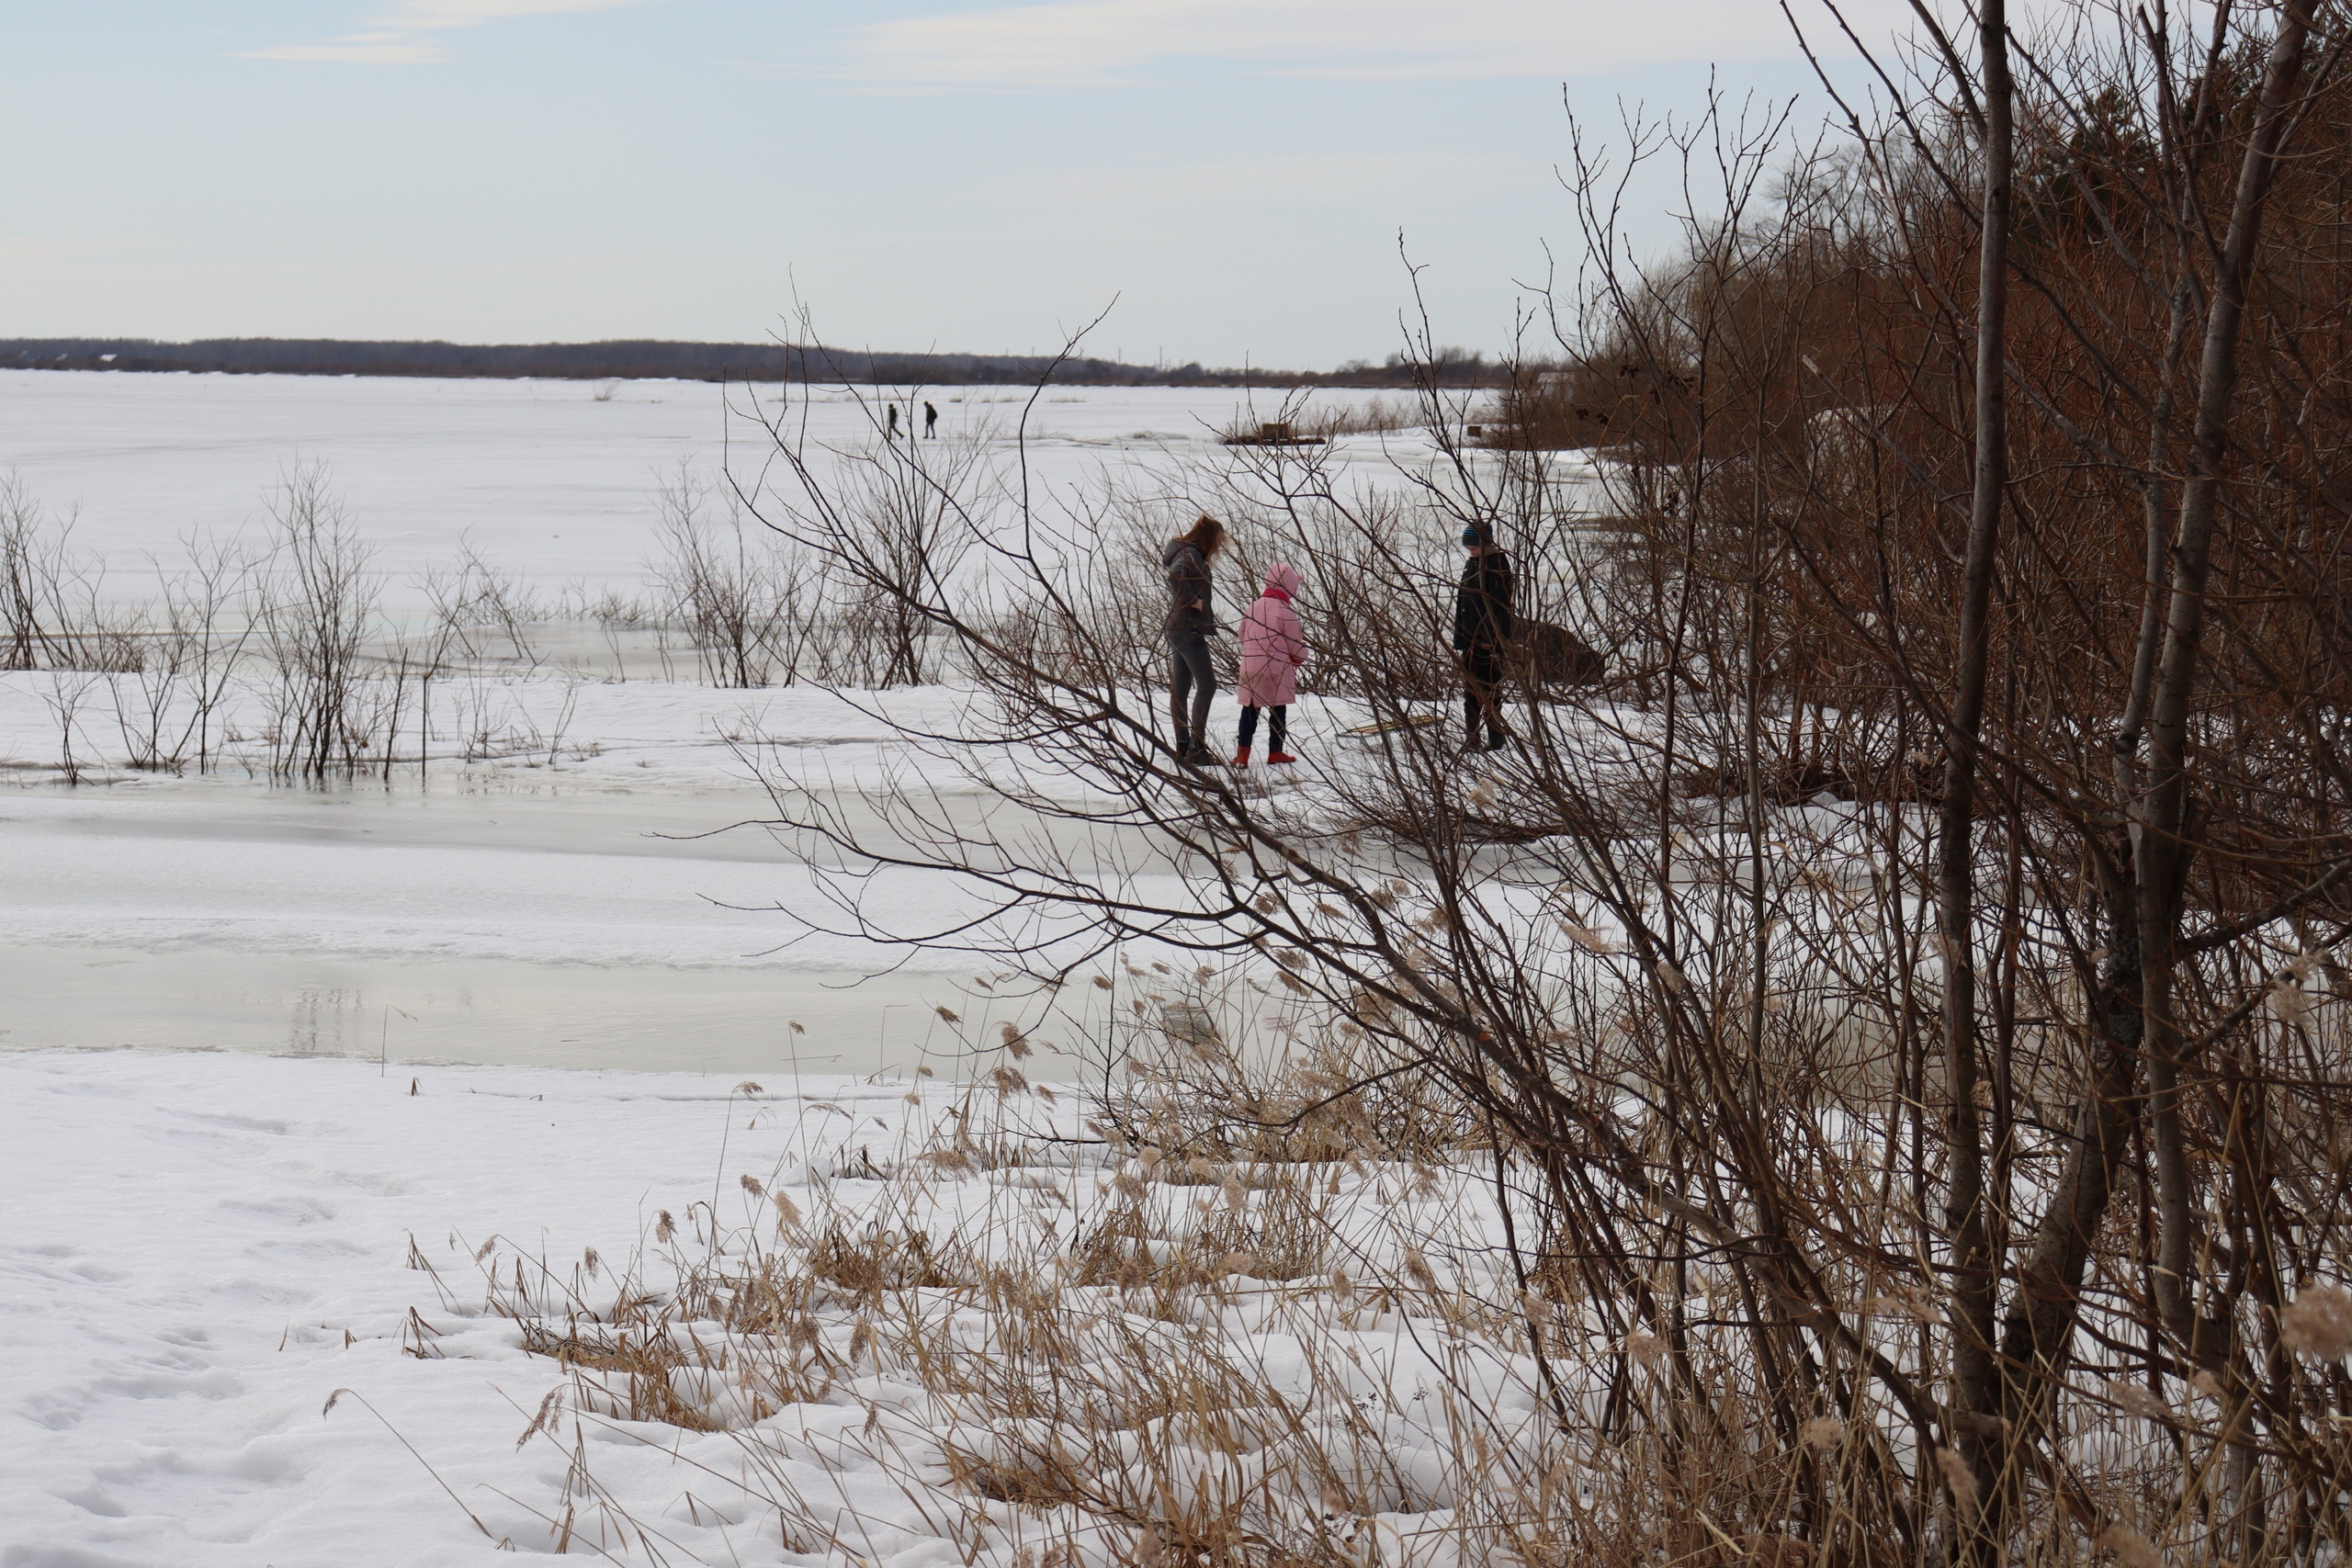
<point x="1906" y="1000"/>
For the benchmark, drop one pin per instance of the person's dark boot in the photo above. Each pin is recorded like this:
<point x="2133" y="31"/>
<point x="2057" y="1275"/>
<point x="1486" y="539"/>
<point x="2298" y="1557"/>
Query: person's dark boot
<point x="1496" y="739"/>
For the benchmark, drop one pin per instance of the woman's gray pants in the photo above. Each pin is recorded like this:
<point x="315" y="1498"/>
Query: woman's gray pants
<point x="1194" y="677"/>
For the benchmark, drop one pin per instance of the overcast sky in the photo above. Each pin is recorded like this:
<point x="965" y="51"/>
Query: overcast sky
<point x="921" y="173"/>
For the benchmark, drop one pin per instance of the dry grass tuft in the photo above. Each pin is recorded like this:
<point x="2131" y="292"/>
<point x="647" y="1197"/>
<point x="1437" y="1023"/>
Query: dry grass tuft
<point x="1256" y="1343"/>
<point x="2318" y="1323"/>
<point x="1226" y="1316"/>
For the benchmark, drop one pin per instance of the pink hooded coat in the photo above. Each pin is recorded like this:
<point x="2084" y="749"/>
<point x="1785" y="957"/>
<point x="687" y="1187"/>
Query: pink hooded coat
<point x="1273" y="645"/>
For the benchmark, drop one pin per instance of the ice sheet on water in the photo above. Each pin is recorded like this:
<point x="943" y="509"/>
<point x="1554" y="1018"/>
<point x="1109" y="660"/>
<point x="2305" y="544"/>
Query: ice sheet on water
<point x="544" y="479"/>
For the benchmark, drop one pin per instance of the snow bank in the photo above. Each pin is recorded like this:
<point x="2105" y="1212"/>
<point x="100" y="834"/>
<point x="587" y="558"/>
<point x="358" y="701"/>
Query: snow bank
<point x="206" y="1248"/>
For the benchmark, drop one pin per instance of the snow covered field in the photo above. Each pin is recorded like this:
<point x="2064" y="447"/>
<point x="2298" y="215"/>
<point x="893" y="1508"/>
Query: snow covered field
<point x="202" y="1249"/>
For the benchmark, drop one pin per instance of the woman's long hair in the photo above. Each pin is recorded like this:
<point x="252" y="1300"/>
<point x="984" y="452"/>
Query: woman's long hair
<point x="1205" y="535"/>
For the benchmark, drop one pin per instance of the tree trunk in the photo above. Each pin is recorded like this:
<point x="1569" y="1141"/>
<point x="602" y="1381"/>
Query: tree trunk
<point x="1975" y="1382"/>
<point x="2135" y="992"/>
<point x="2161" y="813"/>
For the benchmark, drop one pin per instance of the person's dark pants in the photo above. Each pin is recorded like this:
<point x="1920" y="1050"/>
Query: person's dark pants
<point x="1482" y="672"/>
<point x="1277" y="728"/>
<point x="1193" y="681"/>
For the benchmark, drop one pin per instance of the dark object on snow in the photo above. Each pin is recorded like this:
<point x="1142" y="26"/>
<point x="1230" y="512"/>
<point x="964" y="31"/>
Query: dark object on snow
<point x="930" y="419"/>
<point x="1273" y="433"/>
<point x="1551" y="658"/>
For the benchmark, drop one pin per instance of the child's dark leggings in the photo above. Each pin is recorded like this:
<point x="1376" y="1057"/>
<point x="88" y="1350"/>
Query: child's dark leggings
<point x="1277" y="727"/>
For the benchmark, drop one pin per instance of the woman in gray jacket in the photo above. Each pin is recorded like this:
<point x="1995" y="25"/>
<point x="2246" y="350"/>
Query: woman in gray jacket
<point x="1190" y="619"/>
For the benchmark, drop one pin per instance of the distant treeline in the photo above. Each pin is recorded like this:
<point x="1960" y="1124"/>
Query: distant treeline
<point x="695" y="362"/>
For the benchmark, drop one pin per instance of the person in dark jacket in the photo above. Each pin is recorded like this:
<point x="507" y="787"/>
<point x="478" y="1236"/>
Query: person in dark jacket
<point x="929" y="420"/>
<point x="1191" y="618"/>
<point x="1482" y="629"/>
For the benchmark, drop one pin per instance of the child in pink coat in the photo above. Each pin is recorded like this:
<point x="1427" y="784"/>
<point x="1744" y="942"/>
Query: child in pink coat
<point x="1272" y="647"/>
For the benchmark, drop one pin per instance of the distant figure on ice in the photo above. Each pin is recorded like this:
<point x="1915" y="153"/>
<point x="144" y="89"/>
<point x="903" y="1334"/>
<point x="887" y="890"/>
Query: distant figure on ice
<point x="1272" y="647"/>
<point x="929" y="420"/>
<point x="892" y="434"/>
<point x="1481" y="626"/>
<point x="1190" y="619"/>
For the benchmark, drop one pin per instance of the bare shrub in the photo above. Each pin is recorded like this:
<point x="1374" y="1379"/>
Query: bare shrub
<point x="480" y="612"/>
<point x="744" y="598"/>
<point x="909" y="504"/>
<point x="66" y="693"/>
<point x="169" y="709"/>
<point x="58" y="616"/>
<point x="1304" y="419"/>
<point x="316" y="616"/>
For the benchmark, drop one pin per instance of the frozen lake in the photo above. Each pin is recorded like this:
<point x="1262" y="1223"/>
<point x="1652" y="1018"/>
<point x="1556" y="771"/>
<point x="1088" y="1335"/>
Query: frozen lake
<point x="473" y="923"/>
<point x="618" y="907"/>
<point x="597" y="906"/>
<point x="552" y="480"/>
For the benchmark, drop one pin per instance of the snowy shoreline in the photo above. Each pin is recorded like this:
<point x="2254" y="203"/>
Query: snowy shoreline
<point x="206" y="1249"/>
<point x="202" y="1249"/>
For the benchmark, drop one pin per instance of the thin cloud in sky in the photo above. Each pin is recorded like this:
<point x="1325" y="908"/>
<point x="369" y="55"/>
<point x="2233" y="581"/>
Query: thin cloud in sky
<point x="1103" y="42"/>
<point x="1291" y="180"/>
<point x="440" y="16"/>
<point x="408" y="30"/>
<point x="357" y="49"/>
